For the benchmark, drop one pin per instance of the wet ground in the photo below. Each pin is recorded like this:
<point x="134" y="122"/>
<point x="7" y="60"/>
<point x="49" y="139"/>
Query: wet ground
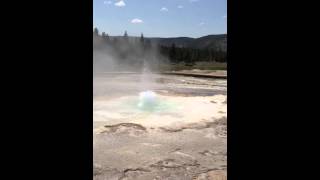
<point x="184" y="137"/>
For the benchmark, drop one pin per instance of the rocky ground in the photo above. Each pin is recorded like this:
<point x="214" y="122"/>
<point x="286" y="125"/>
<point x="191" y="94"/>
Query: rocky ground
<point x="185" y="149"/>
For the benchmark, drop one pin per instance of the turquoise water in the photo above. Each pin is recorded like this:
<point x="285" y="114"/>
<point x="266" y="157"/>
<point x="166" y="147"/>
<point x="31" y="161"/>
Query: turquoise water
<point x="158" y="105"/>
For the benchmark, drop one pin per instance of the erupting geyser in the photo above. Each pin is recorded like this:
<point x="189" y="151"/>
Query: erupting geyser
<point x="147" y="99"/>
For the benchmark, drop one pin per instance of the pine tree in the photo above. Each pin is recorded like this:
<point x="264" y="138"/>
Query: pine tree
<point x="142" y="45"/>
<point x="126" y="38"/>
<point x="212" y="55"/>
<point x="96" y="31"/>
<point x="172" y="53"/>
<point x="180" y="54"/>
<point x="141" y="38"/>
<point x="107" y="37"/>
<point x="187" y="58"/>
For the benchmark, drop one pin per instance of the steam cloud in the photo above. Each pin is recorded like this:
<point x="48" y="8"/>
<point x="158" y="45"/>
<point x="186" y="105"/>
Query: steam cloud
<point x="124" y="54"/>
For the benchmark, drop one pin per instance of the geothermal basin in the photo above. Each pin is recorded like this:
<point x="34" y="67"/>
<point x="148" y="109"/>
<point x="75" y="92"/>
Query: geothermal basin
<point x="154" y="126"/>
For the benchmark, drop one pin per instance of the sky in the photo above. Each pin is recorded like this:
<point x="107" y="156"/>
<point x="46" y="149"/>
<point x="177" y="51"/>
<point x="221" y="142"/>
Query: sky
<point x="161" y="18"/>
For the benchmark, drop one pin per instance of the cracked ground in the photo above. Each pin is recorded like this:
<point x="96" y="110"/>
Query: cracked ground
<point x="189" y="143"/>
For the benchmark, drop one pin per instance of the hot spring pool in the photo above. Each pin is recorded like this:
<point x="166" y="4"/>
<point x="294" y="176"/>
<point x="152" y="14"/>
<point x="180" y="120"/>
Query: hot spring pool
<point x="168" y="100"/>
<point x="165" y="111"/>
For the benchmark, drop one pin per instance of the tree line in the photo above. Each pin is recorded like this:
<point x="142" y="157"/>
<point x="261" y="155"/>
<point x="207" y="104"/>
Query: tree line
<point x="125" y="48"/>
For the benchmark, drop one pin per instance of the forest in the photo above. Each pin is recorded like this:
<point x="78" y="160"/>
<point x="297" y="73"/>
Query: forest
<point x="137" y="49"/>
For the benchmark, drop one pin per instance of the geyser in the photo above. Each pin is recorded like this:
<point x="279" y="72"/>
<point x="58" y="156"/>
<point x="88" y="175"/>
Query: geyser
<point x="147" y="100"/>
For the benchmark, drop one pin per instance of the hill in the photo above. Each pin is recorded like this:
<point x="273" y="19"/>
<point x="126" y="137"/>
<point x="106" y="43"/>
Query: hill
<point x="205" y="42"/>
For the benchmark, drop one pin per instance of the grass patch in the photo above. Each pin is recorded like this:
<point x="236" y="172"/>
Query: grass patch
<point x="198" y="65"/>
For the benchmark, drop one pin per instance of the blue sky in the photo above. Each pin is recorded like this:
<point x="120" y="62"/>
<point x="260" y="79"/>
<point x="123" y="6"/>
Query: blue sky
<point x="161" y="18"/>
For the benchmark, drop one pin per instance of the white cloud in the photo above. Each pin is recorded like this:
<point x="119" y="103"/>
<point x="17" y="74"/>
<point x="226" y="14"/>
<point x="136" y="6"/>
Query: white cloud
<point x="120" y="3"/>
<point x="202" y="23"/>
<point x="164" y="9"/>
<point x="180" y="6"/>
<point x="136" y="21"/>
<point x="107" y="2"/>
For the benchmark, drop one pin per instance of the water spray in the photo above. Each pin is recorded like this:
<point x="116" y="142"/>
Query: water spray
<point x="147" y="99"/>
